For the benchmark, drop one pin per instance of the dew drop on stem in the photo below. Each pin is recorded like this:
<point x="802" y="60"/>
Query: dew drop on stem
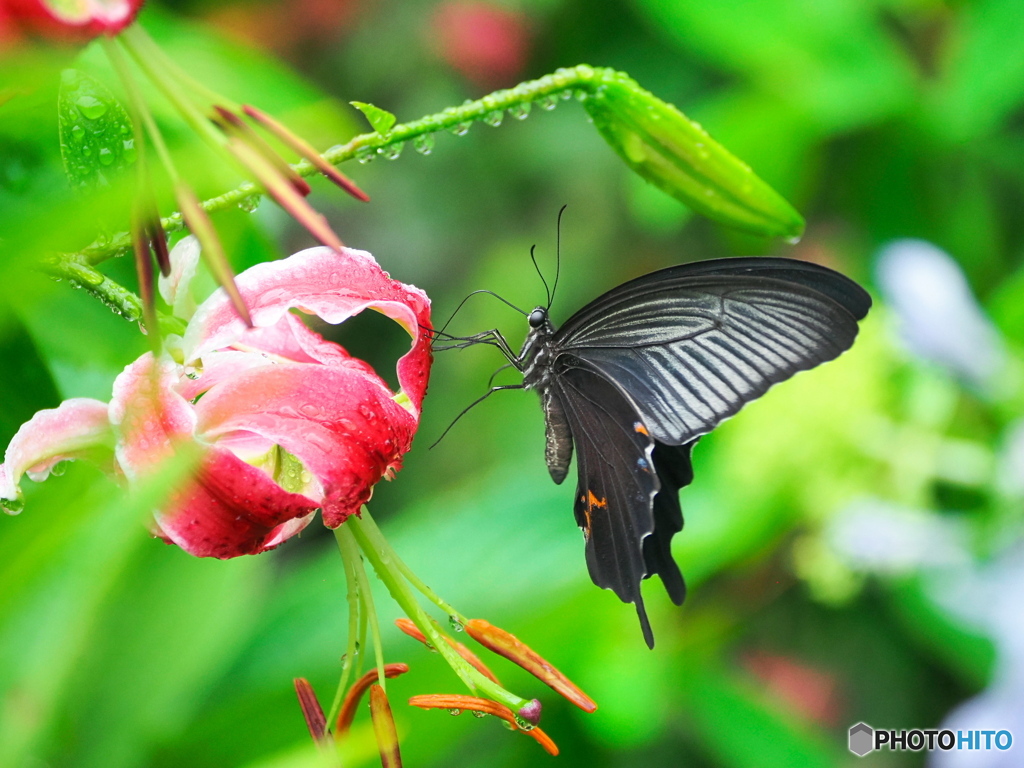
<point x="424" y="143"/>
<point x="520" y="111"/>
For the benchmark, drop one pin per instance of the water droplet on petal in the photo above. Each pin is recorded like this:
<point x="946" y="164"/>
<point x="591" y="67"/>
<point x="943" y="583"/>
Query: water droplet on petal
<point x="12" y="506"/>
<point x="59" y="468"/>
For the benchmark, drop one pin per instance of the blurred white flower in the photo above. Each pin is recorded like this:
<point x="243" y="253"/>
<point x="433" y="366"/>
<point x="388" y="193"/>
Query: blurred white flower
<point x="872" y="536"/>
<point x="939" y="318"/>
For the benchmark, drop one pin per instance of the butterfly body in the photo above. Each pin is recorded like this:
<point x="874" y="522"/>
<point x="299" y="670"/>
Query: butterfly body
<point x="633" y="379"/>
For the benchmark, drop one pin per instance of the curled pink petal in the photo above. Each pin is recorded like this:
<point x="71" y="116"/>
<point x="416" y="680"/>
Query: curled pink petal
<point x="232" y="509"/>
<point x="332" y="285"/>
<point x="71" y="430"/>
<point x="340" y="422"/>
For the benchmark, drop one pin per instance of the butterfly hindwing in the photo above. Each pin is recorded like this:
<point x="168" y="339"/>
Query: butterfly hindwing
<point x="691" y="345"/>
<point x="616" y="482"/>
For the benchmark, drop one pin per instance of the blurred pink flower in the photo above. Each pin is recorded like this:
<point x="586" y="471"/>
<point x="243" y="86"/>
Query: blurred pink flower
<point x="487" y="44"/>
<point x="71" y="19"/>
<point x="290" y="423"/>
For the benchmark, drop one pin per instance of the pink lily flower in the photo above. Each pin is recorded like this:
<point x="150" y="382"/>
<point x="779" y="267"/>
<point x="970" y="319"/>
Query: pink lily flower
<point x="290" y="422"/>
<point x="75" y="20"/>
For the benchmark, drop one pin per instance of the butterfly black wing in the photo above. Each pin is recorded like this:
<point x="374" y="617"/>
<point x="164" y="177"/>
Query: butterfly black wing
<point x="691" y="345"/>
<point x="627" y="493"/>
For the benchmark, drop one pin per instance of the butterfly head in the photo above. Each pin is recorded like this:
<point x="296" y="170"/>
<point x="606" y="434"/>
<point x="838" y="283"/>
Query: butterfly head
<point x="538" y="317"/>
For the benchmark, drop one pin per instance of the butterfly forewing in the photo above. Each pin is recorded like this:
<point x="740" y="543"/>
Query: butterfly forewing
<point x="691" y="349"/>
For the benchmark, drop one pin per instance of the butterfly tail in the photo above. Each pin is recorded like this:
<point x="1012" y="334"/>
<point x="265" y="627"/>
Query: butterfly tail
<point x="645" y="624"/>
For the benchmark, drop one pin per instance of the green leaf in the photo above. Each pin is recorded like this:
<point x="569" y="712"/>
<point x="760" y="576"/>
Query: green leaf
<point x="380" y="119"/>
<point x="97" y="141"/>
<point x="671" y="151"/>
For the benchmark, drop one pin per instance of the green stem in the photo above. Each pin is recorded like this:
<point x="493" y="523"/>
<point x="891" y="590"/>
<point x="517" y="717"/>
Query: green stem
<point x="377" y="539"/>
<point x="406" y="599"/>
<point x="350" y="552"/>
<point x="154" y="52"/>
<point x="352" y="597"/>
<point x="134" y="41"/>
<point x="578" y="79"/>
<point x="139" y="109"/>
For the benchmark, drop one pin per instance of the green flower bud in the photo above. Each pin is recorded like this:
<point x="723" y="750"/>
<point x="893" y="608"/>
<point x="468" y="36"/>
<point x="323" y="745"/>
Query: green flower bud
<point x="671" y="151"/>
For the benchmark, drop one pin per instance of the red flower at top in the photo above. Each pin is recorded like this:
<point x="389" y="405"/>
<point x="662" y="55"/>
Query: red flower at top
<point x="71" y="19"/>
<point x="290" y="422"/>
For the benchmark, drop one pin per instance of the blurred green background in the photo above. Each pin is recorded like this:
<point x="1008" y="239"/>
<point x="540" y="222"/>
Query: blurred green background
<point x="818" y="597"/>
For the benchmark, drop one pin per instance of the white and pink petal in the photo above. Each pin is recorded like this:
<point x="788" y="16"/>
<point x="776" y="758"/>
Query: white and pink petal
<point x="77" y="428"/>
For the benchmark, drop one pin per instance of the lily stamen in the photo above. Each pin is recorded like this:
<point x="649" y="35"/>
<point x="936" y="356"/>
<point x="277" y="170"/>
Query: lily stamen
<point x="515" y="650"/>
<point x="457" y="703"/>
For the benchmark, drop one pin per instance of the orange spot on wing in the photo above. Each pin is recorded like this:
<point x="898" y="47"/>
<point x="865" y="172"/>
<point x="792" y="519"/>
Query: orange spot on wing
<point x="593" y="501"/>
<point x="638" y="427"/>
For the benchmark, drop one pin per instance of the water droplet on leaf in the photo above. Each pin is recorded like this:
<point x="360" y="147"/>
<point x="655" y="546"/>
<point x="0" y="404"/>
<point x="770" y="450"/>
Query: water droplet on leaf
<point x="91" y="107"/>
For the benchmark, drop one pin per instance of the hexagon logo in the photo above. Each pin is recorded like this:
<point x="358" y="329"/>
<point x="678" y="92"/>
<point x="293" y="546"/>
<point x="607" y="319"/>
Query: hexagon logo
<point x="862" y="739"/>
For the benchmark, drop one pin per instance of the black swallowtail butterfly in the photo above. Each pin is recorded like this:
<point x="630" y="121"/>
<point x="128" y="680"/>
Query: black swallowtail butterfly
<point x="637" y="376"/>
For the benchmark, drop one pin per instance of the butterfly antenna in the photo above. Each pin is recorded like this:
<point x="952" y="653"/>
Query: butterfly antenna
<point x="467" y="409"/>
<point x="533" y="258"/>
<point x="474" y="293"/>
<point x="558" y="254"/>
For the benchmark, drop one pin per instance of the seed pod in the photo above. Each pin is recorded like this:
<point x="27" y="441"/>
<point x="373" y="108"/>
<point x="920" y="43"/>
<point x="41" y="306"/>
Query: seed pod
<point x="671" y="151"/>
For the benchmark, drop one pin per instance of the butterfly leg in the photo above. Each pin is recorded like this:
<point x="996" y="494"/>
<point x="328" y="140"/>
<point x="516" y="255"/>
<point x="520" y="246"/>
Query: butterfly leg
<point x="492" y="338"/>
<point x="476" y="402"/>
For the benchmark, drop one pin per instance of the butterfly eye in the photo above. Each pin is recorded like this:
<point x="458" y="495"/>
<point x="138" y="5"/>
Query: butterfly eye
<point x="537" y="318"/>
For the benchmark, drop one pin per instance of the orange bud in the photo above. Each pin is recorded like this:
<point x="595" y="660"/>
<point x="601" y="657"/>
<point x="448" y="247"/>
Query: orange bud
<point x="512" y="648"/>
<point x="355" y="693"/>
<point x="456" y="703"/>
<point x="311" y="710"/>
<point x="413" y="631"/>
<point x="384" y="728"/>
